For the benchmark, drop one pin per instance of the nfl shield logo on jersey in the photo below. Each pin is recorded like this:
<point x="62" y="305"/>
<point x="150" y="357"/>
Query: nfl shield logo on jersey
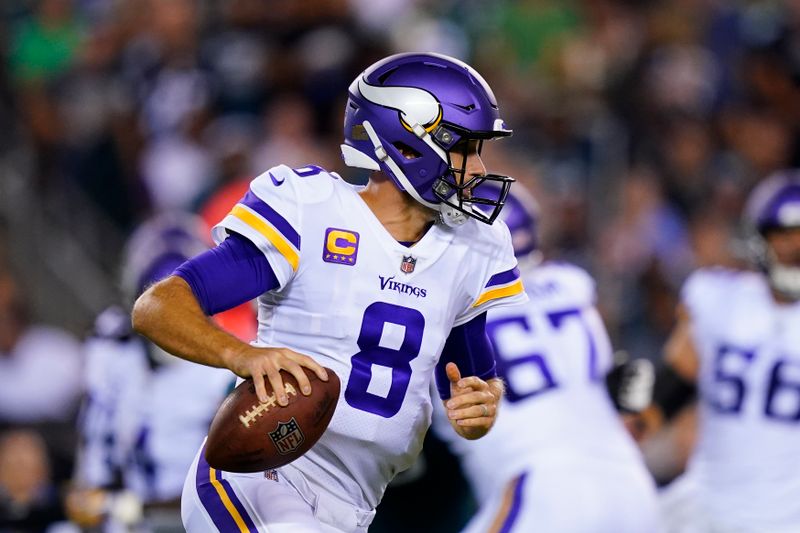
<point x="408" y="264"/>
<point x="287" y="436"/>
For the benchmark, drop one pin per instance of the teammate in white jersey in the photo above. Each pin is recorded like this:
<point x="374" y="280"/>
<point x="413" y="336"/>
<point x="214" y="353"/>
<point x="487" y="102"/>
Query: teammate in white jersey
<point x="145" y="411"/>
<point x="737" y="342"/>
<point x="559" y="459"/>
<point x="374" y="283"/>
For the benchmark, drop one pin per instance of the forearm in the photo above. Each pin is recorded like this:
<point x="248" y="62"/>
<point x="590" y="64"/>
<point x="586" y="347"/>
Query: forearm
<point x="676" y="379"/>
<point x="168" y="314"/>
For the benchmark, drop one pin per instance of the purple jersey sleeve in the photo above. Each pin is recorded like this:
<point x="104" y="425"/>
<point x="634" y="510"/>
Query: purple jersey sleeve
<point x="470" y="349"/>
<point x="230" y="274"/>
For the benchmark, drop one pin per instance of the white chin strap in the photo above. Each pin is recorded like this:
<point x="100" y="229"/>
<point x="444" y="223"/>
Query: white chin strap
<point x="785" y="280"/>
<point x="449" y="215"/>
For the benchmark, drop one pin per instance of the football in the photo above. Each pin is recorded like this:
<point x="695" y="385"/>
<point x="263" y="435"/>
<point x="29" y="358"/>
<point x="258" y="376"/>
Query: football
<point x="249" y="436"/>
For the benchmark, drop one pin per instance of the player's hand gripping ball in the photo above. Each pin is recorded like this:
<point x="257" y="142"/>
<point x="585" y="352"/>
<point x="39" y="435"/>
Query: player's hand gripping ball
<point x="249" y="436"/>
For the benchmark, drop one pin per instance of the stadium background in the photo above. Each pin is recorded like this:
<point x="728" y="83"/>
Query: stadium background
<point x="640" y="126"/>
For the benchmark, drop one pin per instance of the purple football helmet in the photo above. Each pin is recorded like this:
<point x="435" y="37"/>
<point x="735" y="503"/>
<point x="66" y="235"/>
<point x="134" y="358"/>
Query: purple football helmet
<point x="774" y="205"/>
<point x="404" y="116"/>
<point x="159" y="246"/>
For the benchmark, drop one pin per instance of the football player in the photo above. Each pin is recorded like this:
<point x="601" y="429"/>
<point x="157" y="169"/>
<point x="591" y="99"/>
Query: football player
<point x="375" y="283"/>
<point x="736" y="347"/>
<point x="559" y="459"/>
<point x="145" y="412"/>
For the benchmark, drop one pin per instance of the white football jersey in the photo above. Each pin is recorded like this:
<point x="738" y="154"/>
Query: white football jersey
<point x="140" y="422"/>
<point x="371" y="309"/>
<point x="553" y="354"/>
<point x="745" y="463"/>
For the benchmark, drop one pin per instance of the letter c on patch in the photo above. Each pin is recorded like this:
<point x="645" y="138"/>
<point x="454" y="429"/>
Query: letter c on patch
<point x="341" y="242"/>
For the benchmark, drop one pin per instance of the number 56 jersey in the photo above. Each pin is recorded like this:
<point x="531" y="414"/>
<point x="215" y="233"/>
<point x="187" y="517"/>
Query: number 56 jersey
<point x="745" y="463"/>
<point x="376" y="312"/>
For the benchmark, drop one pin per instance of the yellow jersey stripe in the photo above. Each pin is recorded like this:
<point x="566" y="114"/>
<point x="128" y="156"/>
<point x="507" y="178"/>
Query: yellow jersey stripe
<point x="226" y="501"/>
<point x="500" y="292"/>
<point x="278" y="241"/>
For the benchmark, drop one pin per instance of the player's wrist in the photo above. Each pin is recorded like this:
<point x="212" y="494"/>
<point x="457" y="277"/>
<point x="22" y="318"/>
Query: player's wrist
<point x="497" y="387"/>
<point x="234" y="358"/>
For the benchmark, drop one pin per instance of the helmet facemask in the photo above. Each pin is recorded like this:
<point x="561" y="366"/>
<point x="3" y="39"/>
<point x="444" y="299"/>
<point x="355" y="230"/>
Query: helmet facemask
<point x="457" y="190"/>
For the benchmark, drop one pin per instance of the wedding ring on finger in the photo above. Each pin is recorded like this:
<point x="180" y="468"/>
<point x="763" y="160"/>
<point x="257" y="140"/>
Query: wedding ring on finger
<point x="485" y="409"/>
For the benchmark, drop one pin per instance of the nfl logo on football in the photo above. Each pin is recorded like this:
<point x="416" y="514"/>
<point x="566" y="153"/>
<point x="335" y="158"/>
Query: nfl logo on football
<point x="287" y="437"/>
<point x="408" y="264"/>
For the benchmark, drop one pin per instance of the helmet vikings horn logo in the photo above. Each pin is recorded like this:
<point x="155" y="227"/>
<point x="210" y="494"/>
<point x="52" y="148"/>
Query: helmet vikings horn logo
<point x="416" y="106"/>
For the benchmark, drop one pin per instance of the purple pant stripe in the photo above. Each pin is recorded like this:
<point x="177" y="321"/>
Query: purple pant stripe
<point x="237" y="503"/>
<point x="212" y="502"/>
<point x="515" y="505"/>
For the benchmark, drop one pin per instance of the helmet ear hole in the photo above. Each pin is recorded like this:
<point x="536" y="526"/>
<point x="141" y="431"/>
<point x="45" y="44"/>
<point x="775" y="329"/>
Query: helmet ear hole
<point x="408" y="152"/>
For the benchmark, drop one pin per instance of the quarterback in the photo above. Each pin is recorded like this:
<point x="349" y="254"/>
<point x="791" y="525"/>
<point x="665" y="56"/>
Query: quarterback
<point x="382" y="284"/>
<point x="737" y="345"/>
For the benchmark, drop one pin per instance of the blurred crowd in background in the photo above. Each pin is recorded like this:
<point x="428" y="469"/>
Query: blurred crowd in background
<point x="640" y="126"/>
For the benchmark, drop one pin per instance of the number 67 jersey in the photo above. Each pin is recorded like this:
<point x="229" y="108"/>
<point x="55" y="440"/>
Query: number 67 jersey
<point x="558" y="458"/>
<point x="373" y="310"/>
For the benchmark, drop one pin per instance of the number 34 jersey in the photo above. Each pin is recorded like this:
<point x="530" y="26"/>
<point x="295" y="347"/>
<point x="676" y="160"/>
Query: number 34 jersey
<point x="746" y="458"/>
<point x="373" y="310"/>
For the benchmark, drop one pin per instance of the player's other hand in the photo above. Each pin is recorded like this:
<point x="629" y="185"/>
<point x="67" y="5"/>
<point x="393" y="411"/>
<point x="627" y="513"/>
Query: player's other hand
<point x="266" y="363"/>
<point x="473" y="403"/>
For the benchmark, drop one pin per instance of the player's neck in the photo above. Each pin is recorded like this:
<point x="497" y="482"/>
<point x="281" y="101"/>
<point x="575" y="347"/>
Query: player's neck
<point x="404" y="218"/>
